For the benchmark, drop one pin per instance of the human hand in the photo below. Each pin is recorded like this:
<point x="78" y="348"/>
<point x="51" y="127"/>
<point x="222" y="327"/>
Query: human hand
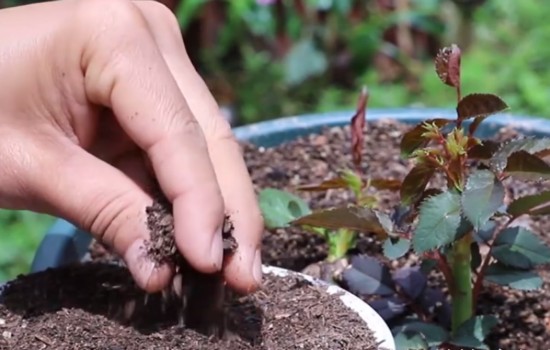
<point x="92" y="92"/>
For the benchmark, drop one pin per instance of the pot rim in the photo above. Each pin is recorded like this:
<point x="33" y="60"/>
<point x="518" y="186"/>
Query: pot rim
<point x="374" y="321"/>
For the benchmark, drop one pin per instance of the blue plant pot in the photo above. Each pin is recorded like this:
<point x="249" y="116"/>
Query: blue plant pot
<point x="65" y="244"/>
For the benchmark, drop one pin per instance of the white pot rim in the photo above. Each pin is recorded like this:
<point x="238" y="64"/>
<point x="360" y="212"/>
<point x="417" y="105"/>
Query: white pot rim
<point x="374" y="321"/>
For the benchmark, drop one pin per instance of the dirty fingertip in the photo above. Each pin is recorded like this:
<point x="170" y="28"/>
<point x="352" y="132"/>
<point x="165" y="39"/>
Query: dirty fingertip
<point x="148" y="275"/>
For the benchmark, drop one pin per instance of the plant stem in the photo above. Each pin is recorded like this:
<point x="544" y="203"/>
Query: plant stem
<point x="486" y="262"/>
<point x="462" y="301"/>
<point x="339" y="244"/>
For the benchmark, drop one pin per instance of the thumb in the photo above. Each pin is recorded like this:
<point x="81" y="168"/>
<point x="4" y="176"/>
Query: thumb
<point x="107" y="202"/>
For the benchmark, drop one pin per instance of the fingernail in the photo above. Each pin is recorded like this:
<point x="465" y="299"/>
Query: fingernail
<point x="257" y="268"/>
<point x="216" y="249"/>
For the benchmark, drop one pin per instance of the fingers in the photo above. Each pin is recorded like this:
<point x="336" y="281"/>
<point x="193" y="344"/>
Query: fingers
<point x="125" y="71"/>
<point x="243" y="272"/>
<point x="105" y="201"/>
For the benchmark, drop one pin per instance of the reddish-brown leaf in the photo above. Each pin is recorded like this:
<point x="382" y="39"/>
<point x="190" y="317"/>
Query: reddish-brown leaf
<point x="413" y="139"/>
<point x="335" y="183"/>
<point x="386" y="184"/>
<point x="353" y="218"/>
<point x="415" y="182"/>
<point x="479" y="105"/>
<point x="447" y="65"/>
<point x="357" y="129"/>
<point x="528" y="167"/>
<point x="486" y="150"/>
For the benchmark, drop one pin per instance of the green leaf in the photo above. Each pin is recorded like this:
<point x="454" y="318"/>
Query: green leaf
<point x="415" y="182"/>
<point x="478" y="105"/>
<point x="304" y="61"/>
<point x="439" y="222"/>
<point x="410" y="341"/>
<point x="531" y="145"/>
<point x="481" y="198"/>
<point x="354" y="218"/>
<point x="521" y="248"/>
<point x="513" y="278"/>
<point x="526" y="166"/>
<point x="472" y="333"/>
<point x="536" y="204"/>
<point x="279" y="208"/>
<point x="433" y="334"/>
<point x="396" y="250"/>
<point x="413" y="139"/>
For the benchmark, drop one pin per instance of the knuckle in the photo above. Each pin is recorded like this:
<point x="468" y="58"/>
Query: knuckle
<point x="158" y="14"/>
<point x="219" y="128"/>
<point x="107" y="15"/>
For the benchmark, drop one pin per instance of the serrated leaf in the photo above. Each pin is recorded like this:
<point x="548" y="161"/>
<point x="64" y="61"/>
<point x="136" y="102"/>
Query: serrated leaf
<point x="531" y="145"/>
<point x="526" y="166"/>
<point x="513" y="278"/>
<point x="485" y="234"/>
<point x="433" y="334"/>
<point x="396" y="250"/>
<point x="438" y="223"/>
<point x="521" y="248"/>
<point x="367" y="276"/>
<point x="535" y="204"/>
<point x="353" y="218"/>
<point x="389" y="308"/>
<point x="415" y="183"/>
<point x="413" y="139"/>
<point x="410" y="341"/>
<point x="479" y="105"/>
<point x="447" y="65"/>
<point x="481" y="198"/>
<point x="485" y="150"/>
<point x="411" y="281"/>
<point x="473" y="332"/>
<point x="279" y="208"/>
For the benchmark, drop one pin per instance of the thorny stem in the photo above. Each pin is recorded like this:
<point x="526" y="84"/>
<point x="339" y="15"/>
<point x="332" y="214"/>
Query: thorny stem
<point x="486" y="261"/>
<point x="461" y="294"/>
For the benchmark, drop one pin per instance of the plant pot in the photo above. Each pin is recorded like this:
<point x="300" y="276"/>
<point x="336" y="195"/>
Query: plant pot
<point x="64" y="244"/>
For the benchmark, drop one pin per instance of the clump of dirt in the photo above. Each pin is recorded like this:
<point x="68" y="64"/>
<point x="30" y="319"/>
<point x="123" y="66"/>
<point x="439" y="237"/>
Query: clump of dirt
<point x="202" y="295"/>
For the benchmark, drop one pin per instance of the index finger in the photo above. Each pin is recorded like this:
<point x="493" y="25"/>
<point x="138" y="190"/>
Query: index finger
<point x="125" y="71"/>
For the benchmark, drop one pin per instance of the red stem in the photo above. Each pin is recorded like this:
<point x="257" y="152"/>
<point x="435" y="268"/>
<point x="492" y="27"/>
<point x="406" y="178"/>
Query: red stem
<point x="486" y="262"/>
<point x="445" y="269"/>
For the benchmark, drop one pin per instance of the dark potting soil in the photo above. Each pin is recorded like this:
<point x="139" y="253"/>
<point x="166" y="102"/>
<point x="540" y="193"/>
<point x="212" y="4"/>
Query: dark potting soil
<point x="524" y="316"/>
<point x="97" y="306"/>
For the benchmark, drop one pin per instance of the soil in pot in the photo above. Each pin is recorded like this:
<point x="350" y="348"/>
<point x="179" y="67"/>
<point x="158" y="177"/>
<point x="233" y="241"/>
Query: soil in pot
<point x="96" y="305"/>
<point x="524" y="316"/>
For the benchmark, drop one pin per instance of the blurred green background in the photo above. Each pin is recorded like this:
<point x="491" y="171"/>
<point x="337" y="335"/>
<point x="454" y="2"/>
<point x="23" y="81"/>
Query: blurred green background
<point x="264" y="59"/>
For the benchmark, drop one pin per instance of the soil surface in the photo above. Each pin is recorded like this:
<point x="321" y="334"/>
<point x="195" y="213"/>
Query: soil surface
<point x="524" y="316"/>
<point x="97" y="306"/>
